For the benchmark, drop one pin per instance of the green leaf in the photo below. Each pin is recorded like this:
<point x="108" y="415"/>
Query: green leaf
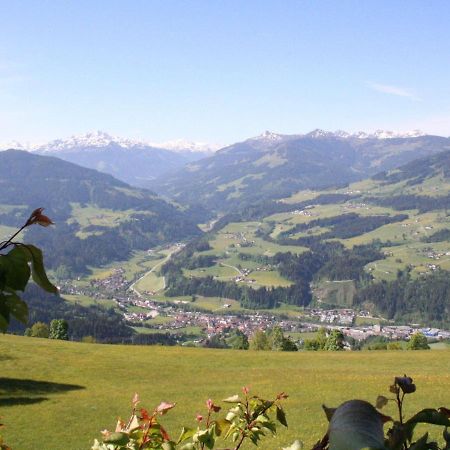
<point x="38" y="270"/>
<point x="205" y="437"/>
<point x="168" y="446"/>
<point x="328" y="412"/>
<point x="221" y="426"/>
<point x="15" y="265"/>
<point x="421" y="444"/>
<point x="446" y="436"/>
<point x="432" y="416"/>
<point x="117" y="438"/>
<point x="4" y="313"/>
<point x="17" y="307"/>
<point x="281" y="416"/>
<point x="186" y="433"/>
<point x="381" y="401"/>
<point x="188" y="446"/>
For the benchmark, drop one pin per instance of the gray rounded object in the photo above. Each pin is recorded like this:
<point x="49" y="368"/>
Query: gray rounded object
<point x="356" y="425"/>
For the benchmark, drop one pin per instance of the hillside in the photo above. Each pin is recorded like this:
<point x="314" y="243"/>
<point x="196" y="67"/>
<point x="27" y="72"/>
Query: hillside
<point x="382" y="244"/>
<point x="76" y="390"/>
<point x="98" y="218"/>
<point x="275" y="166"/>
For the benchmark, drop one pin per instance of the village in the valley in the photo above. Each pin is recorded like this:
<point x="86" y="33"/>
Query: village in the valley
<point x="184" y="313"/>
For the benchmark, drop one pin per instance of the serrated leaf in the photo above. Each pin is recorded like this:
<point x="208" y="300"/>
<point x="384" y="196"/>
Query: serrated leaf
<point x="281" y="416"/>
<point x="37" y="269"/>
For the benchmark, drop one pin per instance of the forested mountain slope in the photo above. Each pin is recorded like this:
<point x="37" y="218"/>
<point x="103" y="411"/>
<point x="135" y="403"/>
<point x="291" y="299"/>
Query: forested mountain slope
<point x="97" y="218"/>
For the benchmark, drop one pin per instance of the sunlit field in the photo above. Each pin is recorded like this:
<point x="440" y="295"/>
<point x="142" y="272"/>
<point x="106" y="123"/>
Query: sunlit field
<point x="58" y="395"/>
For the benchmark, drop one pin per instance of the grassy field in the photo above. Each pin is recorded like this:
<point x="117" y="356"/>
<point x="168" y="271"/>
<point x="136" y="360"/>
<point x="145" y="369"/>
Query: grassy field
<point x="59" y="395"/>
<point x="238" y="238"/>
<point x="83" y="300"/>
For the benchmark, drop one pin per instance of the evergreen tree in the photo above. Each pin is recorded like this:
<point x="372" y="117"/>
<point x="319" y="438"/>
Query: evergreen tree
<point x="59" y="329"/>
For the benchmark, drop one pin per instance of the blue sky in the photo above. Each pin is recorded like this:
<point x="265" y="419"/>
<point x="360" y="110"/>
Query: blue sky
<point x="221" y="71"/>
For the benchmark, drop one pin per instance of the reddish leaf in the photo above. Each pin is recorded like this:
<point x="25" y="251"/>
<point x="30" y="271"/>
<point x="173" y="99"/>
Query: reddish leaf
<point x="211" y="406"/>
<point x="164" y="407"/>
<point x="164" y="434"/>
<point x="144" y="415"/>
<point x="39" y="218"/>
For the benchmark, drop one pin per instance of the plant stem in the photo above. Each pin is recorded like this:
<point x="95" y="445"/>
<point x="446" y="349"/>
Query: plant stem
<point x="241" y="441"/>
<point x="5" y="244"/>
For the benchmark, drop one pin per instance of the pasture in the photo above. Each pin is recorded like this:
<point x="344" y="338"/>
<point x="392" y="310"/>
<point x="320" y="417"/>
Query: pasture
<point x="58" y="395"/>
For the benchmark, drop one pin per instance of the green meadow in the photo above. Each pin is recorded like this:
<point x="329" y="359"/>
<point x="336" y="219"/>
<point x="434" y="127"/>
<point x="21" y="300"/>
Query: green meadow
<point x="58" y="395"/>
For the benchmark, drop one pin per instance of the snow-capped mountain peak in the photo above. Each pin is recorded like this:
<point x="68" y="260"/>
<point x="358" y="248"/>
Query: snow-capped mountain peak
<point x="100" y="140"/>
<point x="268" y="136"/>
<point x="378" y="134"/>
<point x="94" y="139"/>
<point x="180" y="145"/>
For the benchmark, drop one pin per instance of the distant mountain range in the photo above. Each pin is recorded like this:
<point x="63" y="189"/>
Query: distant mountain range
<point x="264" y="167"/>
<point x="132" y="161"/>
<point x="273" y="166"/>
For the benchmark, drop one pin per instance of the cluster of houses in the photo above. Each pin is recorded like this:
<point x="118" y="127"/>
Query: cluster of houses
<point x="304" y="212"/>
<point x="116" y="286"/>
<point x="116" y="282"/>
<point x="394" y="332"/>
<point x="332" y="316"/>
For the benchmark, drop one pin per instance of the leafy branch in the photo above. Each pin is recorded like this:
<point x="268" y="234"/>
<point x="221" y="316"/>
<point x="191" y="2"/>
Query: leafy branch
<point x="16" y="267"/>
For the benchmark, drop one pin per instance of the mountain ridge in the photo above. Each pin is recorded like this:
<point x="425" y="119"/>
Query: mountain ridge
<point x="274" y="166"/>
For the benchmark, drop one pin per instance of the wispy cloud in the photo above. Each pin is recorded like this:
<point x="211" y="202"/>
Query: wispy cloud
<point x="393" y="90"/>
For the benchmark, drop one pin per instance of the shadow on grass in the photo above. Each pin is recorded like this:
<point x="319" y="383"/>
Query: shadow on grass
<point x="15" y="391"/>
<point x="14" y="401"/>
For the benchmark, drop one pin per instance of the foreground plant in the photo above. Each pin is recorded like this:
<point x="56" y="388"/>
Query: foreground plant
<point x="16" y="267"/>
<point x="357" y="425"/>
<point x="249" y="418"/>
